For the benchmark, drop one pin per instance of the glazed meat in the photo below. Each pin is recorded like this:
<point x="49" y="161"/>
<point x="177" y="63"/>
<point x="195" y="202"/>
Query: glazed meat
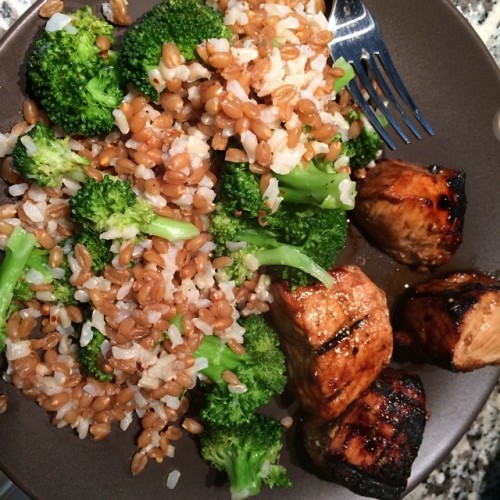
<point x="454" y="321"/>
<point x="413" y="213"/>
<point x="370" y="448"/>
<point x="336" y="341"/>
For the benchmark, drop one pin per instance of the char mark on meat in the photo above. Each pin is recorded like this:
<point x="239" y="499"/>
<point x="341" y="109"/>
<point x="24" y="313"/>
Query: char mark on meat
<point x="371" y="447"/>
<point x="339" y="336"/>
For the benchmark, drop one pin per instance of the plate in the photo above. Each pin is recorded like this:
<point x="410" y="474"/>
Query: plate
<point x="457" y="85"/>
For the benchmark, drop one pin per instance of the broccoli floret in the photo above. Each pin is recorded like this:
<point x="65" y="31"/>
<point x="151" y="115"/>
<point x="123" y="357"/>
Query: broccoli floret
<point x="17" y="252"/>
<point x="23" y="292"/>
<point x="318" y="183"/>
<point x="184" y="22"/>
<point x="260" y="247"/>
<point x="240" y="189"/>
<point x="76" y="82"/>
<point x="261" y="369"/>
<point x="366" y="147"/>
<point x="323" y="187"/>
<point x="41" y="157"/>
<point x="248" y="453"/>
<point x="363" y="149"/>
<point x="90" y="357"/>
<point x="98" y="248"/>
<point x="320" y="234"/>
<point x="112" y="205"/>
<point x="62" y="290"/>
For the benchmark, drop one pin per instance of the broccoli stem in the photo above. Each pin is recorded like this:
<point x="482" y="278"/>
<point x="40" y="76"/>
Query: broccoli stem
<point x="279" y="254"/>
<point x="18" y="251"/>
<point x="287" y="255"/>
<point x="311" y="185"/>
<point x="219" y="355"/>
<point x="341" y="82"/>
<point x="243" y="475"/>
<point x="170" y="229"/>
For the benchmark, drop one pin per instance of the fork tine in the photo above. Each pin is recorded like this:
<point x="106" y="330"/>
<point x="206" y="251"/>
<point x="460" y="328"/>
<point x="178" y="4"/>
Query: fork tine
<point x="369" y="113"/>
<point x="389" y="67"/>
<point x="379" y="78"/>
<point x="367" y="84"/>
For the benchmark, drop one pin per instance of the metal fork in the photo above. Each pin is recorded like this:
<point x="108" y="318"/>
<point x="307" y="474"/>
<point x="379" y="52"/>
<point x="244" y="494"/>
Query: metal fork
<point x="358" y="39"/>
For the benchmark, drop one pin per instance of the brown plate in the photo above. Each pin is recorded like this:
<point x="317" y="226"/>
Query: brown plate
<point x="457" y="84"/>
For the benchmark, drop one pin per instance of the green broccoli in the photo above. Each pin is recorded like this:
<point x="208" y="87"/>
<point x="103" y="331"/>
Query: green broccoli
<point x="323" y="187"/>
<point x="23" y="292"/>
<point x="98" y="248"/>
<point x="240" y="189"/>
<point x="76" y="82"/>
<point x="320" y="234"/>
<point x="90" y="357"/>
<point x="62" y="290"/>
<point x="112" y="205"/>
<point x="262" y="247"/>
<point x="315" y="184"/>
<point x="261" y="370"/>
<point x="349" y="74"/>
<point x="41" y="157"/>
<point x="363" y="149"/>
<point x="184" y="22"/>
<point x="17" y="252"/>
<point x="248" y="453"/>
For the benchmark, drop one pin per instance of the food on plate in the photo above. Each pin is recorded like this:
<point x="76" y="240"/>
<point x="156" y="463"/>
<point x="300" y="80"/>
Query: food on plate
<point x="412" y="212"/>
<point x="146" y="251"/>
<point x="42" y="157"/>
<point x="336" y="340"/>
<point x="371" y="447"/>
<point x="73" y="74"/>
<point x="248" y="454"/>
<point x="452" y="321"/>
<point x="241" y="382"/>
<point x="298" y="241"/>
<point x="171" y="23"/>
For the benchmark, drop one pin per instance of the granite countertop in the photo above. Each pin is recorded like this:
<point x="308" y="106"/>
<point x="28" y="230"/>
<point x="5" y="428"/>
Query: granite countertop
<point x="472" y="470"/>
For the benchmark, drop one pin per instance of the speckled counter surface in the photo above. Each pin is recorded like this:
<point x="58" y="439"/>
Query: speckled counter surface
<point x="472" y="470"/>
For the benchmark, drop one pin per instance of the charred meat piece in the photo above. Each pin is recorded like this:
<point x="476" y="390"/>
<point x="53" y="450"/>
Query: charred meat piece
<point x="371" y="447"/>
<point x="454" y="321"/>
<point x="413" y="213"/>
<point x="336" y="341"/>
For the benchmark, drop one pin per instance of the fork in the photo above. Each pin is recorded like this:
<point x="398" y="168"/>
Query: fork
<point x="358" y="39"/>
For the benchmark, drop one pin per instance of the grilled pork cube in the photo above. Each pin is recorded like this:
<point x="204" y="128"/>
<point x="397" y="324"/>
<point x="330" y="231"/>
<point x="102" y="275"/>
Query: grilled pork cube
<point x="371" y="447"/>
<point x="336" y="341"/>
<point x="413" y="213"/>
<point x="454" y="321"/>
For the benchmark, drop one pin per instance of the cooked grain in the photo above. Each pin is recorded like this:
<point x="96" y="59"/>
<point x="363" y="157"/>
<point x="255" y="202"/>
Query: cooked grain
<point x="58" y="400"/>
<point x="6" y="228"/>
<point x="101" y="430"/>
<point x="30" y="111"/>
<point x="334" y="151"/>
<point x="50" y="7"/>
<point x="103" y="42"/>
<point x="236" y="155"/>
<point x="173" y="433"/>
<point x="230" y="377"/>
<point x="355" y="129"/>
<point x="3" y="404"/>
<point x="221" y="262"/>
<point x="170" y="55"/>
<point x="236" y="347"/>
<point x="8" y="173"/>
<point x="192" y="426"/>
<point x="121" y="17"/>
